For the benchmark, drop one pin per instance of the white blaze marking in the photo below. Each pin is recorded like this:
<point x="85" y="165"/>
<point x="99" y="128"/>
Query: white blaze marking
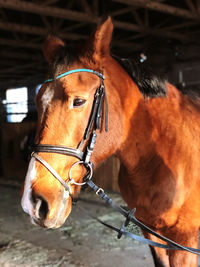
<point x="26" y="202"/>
<point x="47" y="97"/>
<point x="26" y="198"/>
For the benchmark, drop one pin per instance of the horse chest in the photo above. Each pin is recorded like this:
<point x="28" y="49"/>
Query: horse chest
<point x="154" y="194"/>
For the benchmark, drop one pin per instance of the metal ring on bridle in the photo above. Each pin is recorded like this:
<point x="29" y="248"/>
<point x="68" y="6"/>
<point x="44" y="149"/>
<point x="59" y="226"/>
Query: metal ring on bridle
<point x="88" y="169"/>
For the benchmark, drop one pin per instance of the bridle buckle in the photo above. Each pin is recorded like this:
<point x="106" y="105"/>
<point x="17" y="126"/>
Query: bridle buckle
<point x="99" y="191"/>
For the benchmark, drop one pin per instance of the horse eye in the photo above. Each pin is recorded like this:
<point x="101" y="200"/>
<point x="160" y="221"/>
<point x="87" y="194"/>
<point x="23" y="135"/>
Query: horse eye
<point x="78" y="102"/>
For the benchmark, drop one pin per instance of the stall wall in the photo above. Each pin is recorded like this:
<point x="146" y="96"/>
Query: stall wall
<point x="13" y="136"/>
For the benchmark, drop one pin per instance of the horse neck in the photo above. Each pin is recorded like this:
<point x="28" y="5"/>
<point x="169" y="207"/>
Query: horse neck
<point x="137" y="142"/>
<point x="129" y="116"/>
<point x="146" y="127"/>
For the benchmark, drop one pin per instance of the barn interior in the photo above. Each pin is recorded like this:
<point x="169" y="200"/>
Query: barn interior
<point x="163" y="34"/>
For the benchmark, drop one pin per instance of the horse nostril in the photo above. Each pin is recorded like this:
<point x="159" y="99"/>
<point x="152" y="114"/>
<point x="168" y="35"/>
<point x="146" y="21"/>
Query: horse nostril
<point x="41" y="208"/>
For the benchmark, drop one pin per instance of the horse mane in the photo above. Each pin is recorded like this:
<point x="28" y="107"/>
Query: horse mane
<point x="65" y="57"/>
<point x="149" y="84"/>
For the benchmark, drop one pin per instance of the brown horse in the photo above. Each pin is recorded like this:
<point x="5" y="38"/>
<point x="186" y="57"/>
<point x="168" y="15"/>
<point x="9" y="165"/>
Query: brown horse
<point x="153" y="129"/>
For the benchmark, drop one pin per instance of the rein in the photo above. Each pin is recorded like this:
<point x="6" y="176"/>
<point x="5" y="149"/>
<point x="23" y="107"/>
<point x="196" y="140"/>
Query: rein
<point x="129" y="217"/>
<point x="94" y="123"/>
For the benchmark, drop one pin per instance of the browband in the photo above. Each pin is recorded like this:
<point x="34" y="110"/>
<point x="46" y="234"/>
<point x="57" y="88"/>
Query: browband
<point x="99" y="74"/>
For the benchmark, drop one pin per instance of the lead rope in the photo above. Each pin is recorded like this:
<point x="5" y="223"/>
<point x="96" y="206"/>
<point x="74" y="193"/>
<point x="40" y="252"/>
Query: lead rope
<point x="129" y="215"/>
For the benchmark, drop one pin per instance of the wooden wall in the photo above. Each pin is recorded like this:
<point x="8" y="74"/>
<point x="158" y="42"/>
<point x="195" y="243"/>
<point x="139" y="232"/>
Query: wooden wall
<point x="12" y="135"/>
<point x="106" y="175"/>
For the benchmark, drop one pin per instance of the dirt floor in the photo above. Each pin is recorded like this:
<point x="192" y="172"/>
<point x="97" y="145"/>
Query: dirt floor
<point x="82" y="241"/>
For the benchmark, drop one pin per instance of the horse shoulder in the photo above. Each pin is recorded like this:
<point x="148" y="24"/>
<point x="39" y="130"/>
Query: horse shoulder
<point x="159" y="179"/>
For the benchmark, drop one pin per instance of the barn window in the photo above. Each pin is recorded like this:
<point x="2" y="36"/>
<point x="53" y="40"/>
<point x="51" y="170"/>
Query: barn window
<point x="16" y="104"/>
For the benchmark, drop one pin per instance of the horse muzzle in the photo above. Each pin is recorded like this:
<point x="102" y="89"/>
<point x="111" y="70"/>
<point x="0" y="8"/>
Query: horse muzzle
<point x="49" y="215"/>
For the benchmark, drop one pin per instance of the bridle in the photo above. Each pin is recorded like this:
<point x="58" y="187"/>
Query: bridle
<point x="94" y="123"/>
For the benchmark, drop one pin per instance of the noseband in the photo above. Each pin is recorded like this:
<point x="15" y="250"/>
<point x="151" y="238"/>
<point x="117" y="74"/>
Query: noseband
<point x="94" y="123"/>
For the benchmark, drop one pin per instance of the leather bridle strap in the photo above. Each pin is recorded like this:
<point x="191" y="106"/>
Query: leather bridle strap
<point x="77" y="153"/>
<point x="89" y="134"/>
<point x="129" y="215"/>
<point x="53" y="172"/>
<point x="97" y="111"/>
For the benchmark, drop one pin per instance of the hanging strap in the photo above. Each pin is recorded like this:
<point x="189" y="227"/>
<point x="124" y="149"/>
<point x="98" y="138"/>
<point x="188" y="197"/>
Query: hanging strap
<point x="129" y="215"/>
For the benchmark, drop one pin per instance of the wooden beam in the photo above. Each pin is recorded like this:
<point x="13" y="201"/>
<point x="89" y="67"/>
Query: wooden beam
<point x="5" y="18"/>
<point x="10" y="55"/>
<point x="19" y="43"/>
<point x="137" y="18"/>
<point x="95" y="7"/>
<point x="2" y="14"/>
<point x="198" y="5"/>
<point x="43" y="32"/>
<point x="182" y="25"/>
<point x="160" y="7"/>
<point x="86" y="7"/>
<point x="74" y="26"/>
<point x="128" y="45"/>
<point x="69" y="4"/>
<point x="146" y="17"/>
<point x="157" y="32"/>
<point x="49" y="2"/>
<point x="6" y="63"/>
<point x="121" y="11"/>
<point x="48" y="11"/>
<point x="191" y="6"/>
<point x="77" y="16"/>
<point x="20" y="81"/>
<point x="117" y="43"/>
<point x="47" y="24"/>
<point x="21" y="68"/>
<point x="7" y="26"/>
<point x="134" y="37"/>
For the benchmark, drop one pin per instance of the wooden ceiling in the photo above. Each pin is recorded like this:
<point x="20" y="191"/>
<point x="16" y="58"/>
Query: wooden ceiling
<point x="160" y="27"/>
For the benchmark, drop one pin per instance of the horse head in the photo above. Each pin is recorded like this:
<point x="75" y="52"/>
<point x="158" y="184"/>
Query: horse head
<point x="65" y="104"/>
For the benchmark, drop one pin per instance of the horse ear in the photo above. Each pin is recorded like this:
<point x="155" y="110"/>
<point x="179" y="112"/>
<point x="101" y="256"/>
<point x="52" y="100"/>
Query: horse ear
<point x="102" y="39"/>
<point x="51" y="47"/>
